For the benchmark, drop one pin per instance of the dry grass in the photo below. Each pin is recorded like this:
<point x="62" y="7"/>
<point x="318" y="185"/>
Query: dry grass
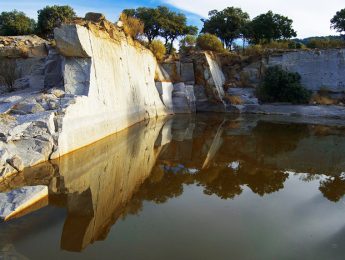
<point x="132" y="26"/>
<point x="321" y="99"/>
<point x="6" y="117"/>
<point x="234" y="100"/>
<point x="8" y="73"/>
<point x="158" y="49"/>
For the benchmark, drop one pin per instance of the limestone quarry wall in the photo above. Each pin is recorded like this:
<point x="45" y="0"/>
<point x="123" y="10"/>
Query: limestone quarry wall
<point x="114" y="81"/>
<point x="319" y="69"/>
<point x="92" y="85"/>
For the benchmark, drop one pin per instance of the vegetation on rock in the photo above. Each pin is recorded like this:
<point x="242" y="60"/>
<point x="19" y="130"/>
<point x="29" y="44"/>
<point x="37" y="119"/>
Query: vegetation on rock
<point x="16" y="23"/>
<point x="188" y="43"/>
<point x="51" y="17"/>
<point x="8" y="73"/>
<point x="279" y="85"/>
<point x="162" y="22"/>
<point x="209" y="42"/>
<point x="325" y="43"/>
<point x="228" y="24"/>
<point x="132" y="26"/>
<point x="158" y="49"/>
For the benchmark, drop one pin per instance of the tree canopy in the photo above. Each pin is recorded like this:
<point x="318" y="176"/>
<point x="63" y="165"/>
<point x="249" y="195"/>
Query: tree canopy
<point x="15" y="23"/>
<point x="338" y="21"/>
<point x="162" y="22"/>
<point x="51" y="17"/>
<point x="227" y="25"/>
<point x="270" y="26"/>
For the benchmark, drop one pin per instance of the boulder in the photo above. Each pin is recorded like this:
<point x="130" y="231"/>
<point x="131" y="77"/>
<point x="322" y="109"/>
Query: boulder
<point x="247" y="95"/>
<point x="94" y="17"/>
<point x="16" y="163"/>
<point x="183" y="99"/>
<point x="16" y="201"/>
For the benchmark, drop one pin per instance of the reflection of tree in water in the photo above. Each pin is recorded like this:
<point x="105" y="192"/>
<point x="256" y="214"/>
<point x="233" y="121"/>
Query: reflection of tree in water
<point x="275" y="138"/>
<point x="164" y="183"/>
<point x="167" y="182"/>
<point x="262" y="181"/>
<point x="333" y="188"/>
<point x="220" y="181"/>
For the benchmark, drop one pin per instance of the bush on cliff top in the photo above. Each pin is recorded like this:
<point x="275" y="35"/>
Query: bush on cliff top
<point x="209" y="42"/>
<point x="15" y="23"/>
<point x="51" y="17"/>
<point x="158" y="49"/>
<point x="132" y="26"/>
<point x="282" y="86"/>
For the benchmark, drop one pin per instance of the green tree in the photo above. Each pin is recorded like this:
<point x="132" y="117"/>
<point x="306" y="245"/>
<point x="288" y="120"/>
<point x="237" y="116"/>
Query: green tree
<point x="51" y="17"/>
<point x="151" y="19"/>
<point x="209" y="42"/>
<point x="280" y="85"/>
<point x="228" y="24"/>
<point x="188" y="43"/>
<point x="175" y="25"/>
<point x="338" y="21"/>
<point x="162" y="22"/>
<point x="267" y="27"/>
<point x="15" y="23"/>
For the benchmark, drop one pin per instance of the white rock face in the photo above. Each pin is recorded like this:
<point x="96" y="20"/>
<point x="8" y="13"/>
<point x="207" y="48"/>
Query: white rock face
<point x="165" y="90"/>
<point x="318" y="69"/>
<point x="114" y="84"/>
<point x="95" y="86"/>
<point x="216" y="74"/>
<point x="183" y="99"/>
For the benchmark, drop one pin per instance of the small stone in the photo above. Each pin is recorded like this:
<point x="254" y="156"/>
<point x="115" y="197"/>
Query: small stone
<point x="57" y="92"/>
<point x="16" y="163"/>
<point x="119" y="24"/>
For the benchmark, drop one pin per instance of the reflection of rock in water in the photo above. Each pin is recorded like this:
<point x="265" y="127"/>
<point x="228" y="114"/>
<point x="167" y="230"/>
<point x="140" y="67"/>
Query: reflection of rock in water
<point x="153" y="162"/>
<point x="96" y="183"/>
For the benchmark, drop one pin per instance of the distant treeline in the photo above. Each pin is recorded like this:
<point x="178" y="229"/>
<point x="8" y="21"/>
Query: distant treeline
<point x="219" y="32"/>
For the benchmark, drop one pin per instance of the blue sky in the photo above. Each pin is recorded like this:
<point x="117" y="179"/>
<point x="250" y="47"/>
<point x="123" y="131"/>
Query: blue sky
<point x="311" y="17"/>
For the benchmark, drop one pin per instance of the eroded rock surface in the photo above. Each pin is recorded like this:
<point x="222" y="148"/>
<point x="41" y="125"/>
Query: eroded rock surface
<point x="86" y="89"/>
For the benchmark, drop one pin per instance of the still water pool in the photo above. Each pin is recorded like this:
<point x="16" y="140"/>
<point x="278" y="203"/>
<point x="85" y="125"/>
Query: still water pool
<point x="190" y="187"/>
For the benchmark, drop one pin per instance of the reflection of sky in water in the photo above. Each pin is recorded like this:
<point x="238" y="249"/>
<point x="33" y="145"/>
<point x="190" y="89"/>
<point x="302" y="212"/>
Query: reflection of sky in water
<point x="243" y="189"/>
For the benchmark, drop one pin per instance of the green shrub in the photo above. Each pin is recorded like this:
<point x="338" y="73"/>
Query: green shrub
<point x="158" y="49"/>
<point x="282" y="86"/>
<point x="51" y="17"/>
<point x="132" y="26"/>
<point x="15" y="23"/>
<point x="209" y="42"/>
<point x="188" y="43"/>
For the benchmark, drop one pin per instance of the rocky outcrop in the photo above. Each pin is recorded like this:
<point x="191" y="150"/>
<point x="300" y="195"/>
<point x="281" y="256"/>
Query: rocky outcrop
<point x="198" y="83"/>
<point x="319" y="69"/>
<point x="97" y="82"/>
<point x="22" y="62"/>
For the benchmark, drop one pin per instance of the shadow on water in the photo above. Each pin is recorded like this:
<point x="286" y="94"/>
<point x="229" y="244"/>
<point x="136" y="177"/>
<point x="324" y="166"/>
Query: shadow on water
<point x="154" y="161"/>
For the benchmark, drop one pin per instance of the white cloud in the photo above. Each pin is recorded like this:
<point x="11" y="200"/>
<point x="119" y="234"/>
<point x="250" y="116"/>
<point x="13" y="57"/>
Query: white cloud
<point x="311" y="17"/>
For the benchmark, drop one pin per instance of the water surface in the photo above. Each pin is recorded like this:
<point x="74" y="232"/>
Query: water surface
<point x="191" y="187"/>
